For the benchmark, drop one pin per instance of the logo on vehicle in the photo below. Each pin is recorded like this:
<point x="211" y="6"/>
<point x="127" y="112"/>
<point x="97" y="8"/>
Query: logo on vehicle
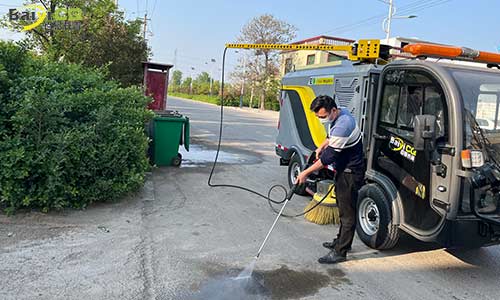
<point x="321" y="81"/>
<point x="33" y="15"/>
<point x="406" y="150"/>
<point x="420" y="190"/>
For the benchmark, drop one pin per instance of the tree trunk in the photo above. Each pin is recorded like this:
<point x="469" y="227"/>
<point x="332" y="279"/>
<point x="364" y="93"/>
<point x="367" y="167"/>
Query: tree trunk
<point x="266" y="80"/>
<point x="251" y="98"/>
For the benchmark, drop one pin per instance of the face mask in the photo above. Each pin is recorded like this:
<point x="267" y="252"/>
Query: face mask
<point x="325" y="120"/>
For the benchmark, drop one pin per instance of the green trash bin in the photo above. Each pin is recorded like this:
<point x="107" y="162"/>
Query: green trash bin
<point x="169" y="131"/>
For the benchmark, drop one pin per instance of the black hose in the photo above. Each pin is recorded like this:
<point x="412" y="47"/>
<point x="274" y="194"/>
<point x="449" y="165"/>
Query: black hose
<point x="288" y="194"/>
<point x="303" y="213"/>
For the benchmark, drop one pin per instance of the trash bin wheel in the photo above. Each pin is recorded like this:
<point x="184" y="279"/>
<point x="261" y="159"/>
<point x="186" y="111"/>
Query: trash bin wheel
<point x="176" y="161"/>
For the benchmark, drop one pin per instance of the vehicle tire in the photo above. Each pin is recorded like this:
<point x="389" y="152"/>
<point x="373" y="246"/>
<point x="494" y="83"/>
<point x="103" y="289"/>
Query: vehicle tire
<point x="294" y="168"/>
<point x="374" y="218"/>
<point x="176" y="161"/>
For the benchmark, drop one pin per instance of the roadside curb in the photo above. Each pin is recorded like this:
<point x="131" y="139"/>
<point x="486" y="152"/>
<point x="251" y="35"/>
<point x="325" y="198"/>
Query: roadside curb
<point x="236" y="109"/>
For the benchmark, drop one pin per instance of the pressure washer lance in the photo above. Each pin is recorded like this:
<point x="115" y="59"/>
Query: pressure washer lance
<point x="288" y="197"/>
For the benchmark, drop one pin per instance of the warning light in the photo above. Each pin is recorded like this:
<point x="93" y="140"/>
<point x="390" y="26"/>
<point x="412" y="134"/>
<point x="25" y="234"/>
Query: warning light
<point x="452" y="52"/>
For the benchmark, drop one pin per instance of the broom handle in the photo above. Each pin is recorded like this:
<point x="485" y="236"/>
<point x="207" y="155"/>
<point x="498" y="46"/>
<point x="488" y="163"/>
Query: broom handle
<point x="272" y="227"/>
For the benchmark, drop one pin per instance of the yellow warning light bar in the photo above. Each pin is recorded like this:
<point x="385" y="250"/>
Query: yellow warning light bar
<point x="364" y="49"/>
<point x="291" y="47"/>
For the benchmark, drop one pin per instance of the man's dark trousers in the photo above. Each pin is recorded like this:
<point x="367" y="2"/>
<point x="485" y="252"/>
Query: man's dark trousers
<point x="347" y="186"/>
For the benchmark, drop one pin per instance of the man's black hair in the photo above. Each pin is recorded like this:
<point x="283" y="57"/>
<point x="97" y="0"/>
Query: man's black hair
<point x="323" y="101"/>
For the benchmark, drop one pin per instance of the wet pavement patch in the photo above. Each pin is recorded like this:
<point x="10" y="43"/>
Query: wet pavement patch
<point x="227" y="287"/>
<point x="284" y="283"/>
<point x="201" y="156"/>
<point x="281" y="283"/>
<point x="338" y="277"/>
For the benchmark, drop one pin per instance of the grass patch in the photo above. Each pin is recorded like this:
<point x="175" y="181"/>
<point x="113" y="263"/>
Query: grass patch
<point x="202" y="98"/>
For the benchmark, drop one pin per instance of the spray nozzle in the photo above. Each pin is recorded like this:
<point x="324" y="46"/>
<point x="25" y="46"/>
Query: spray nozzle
<point x="292" y="191"/>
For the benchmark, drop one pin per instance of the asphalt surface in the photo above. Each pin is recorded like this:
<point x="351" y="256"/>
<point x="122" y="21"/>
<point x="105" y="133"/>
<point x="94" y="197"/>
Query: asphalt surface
<point x="180" y="239"/>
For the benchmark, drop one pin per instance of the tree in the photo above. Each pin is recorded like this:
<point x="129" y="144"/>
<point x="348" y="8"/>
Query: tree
<point x="186" y="85"/>
<point x="203" y="78"/>
<point x="201" y="84"/>
<point x="68" y="137"/>
<point x="103" y="39"/>
<point x="262" y="67"/>
<point x="176" y="79"/>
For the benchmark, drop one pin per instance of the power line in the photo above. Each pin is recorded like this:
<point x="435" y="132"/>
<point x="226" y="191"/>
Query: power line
<point x="424" y="5"/>
<point x="154" y="9"/>
<point x="413" y="9"/>
<point x="410" y="7"/>
<point x="363" y="21"/>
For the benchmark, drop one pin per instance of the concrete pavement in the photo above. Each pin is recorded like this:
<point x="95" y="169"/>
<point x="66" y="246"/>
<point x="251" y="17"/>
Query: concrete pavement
<point x="178" y="239"/>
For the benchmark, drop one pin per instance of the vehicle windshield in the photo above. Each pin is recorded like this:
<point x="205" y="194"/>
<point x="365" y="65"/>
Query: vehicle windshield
<point x="480" y="92"/>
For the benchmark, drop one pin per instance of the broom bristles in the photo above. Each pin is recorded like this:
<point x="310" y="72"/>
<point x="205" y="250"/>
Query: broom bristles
<point x="322" y="214"/>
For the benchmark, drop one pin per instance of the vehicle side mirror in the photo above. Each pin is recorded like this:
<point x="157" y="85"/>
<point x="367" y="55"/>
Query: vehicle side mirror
<point x="425" y="132"/>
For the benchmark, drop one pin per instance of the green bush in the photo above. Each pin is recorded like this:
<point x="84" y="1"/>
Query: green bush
<point x="68" y="136"/>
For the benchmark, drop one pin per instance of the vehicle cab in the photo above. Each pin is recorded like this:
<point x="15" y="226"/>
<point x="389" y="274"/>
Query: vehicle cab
<point x="432" y="165"/>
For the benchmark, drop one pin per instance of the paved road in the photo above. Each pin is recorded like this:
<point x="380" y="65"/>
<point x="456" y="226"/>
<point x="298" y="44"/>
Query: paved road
<point x="180" y="239"/>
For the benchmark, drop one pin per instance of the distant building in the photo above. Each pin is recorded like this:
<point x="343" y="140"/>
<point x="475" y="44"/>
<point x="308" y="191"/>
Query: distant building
<point x="400" y="42"/>
<point x="292" y="60"/>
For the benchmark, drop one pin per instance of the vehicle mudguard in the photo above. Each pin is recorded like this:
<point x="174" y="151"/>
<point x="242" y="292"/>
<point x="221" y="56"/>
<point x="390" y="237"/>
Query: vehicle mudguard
<point x="295" y="150"/>
<point x="391" y="191"/>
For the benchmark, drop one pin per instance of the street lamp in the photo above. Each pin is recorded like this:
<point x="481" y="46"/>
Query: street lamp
<point x="386" y="23"/>
<point x="191" y="82"/>
<point x="211" y="75"/>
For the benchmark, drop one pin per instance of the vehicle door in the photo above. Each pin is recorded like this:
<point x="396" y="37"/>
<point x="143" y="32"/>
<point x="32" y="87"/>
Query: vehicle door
<point x="404" y="95"/>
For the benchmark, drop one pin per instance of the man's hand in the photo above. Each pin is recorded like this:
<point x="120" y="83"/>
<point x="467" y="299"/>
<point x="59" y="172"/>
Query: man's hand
<point x="318" y="152"/>
<point x="301" y="178"/>
<point x="321" y="148"/>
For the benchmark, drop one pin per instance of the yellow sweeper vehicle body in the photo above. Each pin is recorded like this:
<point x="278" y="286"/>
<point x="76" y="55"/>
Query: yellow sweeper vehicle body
<point x="431" y="131"/>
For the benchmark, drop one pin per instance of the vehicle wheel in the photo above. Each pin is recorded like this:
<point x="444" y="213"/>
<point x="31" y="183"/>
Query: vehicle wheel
<point x="294" y="169"/>
<point x="374" y="225"/>
<point x="176" y="161"/>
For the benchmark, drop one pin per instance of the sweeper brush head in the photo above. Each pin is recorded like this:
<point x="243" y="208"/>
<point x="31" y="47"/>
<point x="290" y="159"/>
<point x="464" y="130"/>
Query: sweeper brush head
<point x="326" y="212"/>
<point x="322" y="214"/>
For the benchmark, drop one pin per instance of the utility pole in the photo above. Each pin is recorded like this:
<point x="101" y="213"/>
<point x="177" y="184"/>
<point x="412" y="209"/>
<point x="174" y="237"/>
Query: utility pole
<point x="145" y="30"/>
<point x="175" y="57"/>
<point x="386" y="24"/>
<point x="389" y="19"/>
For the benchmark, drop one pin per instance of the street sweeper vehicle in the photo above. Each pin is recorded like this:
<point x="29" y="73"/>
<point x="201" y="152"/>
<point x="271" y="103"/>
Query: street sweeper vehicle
<point x="431" y="132"/>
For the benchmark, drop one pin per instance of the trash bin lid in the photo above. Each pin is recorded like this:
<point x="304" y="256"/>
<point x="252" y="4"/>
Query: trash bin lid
<point x="179" y="118"/>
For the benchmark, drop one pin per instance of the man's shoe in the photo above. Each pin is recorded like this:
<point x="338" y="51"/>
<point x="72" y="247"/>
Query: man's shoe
<point x="331" y="245"/>
<point x="332" y="258"/>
